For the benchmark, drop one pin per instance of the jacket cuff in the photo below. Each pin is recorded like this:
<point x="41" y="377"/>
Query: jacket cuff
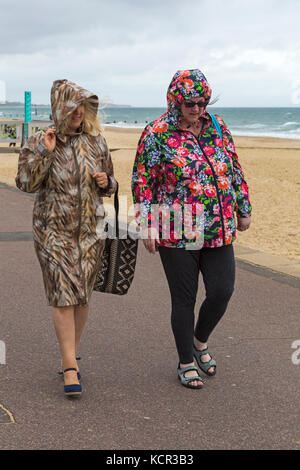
<point x="243" y="213"/>
<point x="110" y="188"/>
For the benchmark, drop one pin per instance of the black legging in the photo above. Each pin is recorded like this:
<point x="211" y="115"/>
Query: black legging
<point x="182" y="268"/>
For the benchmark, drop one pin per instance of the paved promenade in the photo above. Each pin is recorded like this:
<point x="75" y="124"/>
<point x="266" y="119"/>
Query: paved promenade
<point x="132" y="398"/>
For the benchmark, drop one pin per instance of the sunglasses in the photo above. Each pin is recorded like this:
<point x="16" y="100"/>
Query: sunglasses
<point x="191" y="104"/>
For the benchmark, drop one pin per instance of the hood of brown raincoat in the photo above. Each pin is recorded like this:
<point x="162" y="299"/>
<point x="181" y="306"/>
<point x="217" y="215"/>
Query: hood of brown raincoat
<point x="66" y="96"/>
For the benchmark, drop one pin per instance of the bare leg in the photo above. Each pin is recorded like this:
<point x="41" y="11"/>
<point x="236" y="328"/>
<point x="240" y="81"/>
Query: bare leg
<point x="80" y="314"/>
<point x="64" y="323"/>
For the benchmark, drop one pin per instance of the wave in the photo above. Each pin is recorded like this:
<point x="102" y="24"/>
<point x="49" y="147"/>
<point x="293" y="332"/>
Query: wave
<point x="287" y="130"/>
<point x="290" y="123"/>
<point x="267" y="126"/>
<point x="282" y="135"/>
<point x="256" y="125"/>
<point x="129" y="125"/>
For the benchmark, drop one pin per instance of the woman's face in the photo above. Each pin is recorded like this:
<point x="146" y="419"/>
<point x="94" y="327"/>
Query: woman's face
<point x="76" y="118"/>
<point x="191" y="114"/>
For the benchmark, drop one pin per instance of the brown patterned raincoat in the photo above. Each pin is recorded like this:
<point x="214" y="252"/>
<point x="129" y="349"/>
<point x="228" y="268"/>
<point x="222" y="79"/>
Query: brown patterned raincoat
<point x="64" y="216"/>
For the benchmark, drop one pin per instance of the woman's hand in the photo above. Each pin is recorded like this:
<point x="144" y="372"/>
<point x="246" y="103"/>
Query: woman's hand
<point x="151" y="240"/>
<point x="101" y="179"/>
<point x="243" y="223"/>
<point x="50" y="140"/>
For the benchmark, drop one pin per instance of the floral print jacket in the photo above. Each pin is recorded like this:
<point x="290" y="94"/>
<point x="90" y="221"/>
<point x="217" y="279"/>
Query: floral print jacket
<point x="174" y="168"/>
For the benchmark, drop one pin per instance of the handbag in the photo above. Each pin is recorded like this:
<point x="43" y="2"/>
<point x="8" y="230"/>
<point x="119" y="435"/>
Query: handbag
<point x="118" y="258"/>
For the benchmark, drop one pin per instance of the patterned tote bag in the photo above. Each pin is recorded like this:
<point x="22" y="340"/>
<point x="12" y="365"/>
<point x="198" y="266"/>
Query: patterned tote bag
<point x="118" y="259"/>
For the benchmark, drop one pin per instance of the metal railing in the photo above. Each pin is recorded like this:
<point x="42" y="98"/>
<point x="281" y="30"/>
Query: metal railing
<point x="20" y="129"/>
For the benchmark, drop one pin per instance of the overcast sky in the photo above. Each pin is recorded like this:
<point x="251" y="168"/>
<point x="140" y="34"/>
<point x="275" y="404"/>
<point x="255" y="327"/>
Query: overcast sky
<point x="127" y="51"/>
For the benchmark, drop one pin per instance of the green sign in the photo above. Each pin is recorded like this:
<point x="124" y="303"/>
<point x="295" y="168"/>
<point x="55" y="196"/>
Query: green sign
<point x="27" y="112"/>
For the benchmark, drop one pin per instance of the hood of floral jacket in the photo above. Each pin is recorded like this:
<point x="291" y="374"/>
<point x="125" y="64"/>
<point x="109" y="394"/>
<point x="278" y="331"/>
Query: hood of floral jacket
<point x="66" y="96"/>
<point x="185" y="84"/>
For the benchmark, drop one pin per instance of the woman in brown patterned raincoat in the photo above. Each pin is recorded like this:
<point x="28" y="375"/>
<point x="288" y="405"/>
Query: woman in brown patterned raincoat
<point x="70" y="168"/>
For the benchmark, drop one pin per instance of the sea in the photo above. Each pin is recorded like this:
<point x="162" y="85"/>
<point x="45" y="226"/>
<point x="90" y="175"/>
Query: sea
<point x="261" y="122"/>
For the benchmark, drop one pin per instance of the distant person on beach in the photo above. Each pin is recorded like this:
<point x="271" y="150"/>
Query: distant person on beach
<point x="70" y="168"/>
<point x="12" y="135"/>
<point x="186" y="166"/>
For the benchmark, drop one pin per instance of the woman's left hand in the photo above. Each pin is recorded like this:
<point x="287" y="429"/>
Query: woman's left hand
<point x="151" y="240"/>
<point x="243" y="223"/>
<point x="101" y="179"/>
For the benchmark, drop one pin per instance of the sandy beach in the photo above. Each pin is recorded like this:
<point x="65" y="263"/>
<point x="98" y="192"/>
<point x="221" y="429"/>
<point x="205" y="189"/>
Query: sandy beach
<point x="272" y="169"/>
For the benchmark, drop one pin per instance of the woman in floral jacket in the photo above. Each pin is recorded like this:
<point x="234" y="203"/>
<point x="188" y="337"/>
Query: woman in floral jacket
<point x="187" y="185"/>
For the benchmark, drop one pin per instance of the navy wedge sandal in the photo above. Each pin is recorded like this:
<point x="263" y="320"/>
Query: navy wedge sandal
<point x="72" y="390"/>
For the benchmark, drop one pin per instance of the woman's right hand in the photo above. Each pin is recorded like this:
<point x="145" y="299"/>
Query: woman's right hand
<point x="50" y="139"/>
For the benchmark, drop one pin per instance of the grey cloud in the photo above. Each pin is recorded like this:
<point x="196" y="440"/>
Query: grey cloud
<point x="129" y="49"/>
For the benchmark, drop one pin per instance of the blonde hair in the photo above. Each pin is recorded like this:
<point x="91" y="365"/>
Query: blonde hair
<point x="91" y="124"/>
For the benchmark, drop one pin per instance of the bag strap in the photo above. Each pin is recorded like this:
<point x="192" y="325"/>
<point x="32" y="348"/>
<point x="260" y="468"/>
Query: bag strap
<point x="216" y="124"/>
<point x="116" y="204"/>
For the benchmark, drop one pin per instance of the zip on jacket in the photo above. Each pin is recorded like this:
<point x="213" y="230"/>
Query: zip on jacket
<point x="79" y="220"/>
<point x="217" y="189"/>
